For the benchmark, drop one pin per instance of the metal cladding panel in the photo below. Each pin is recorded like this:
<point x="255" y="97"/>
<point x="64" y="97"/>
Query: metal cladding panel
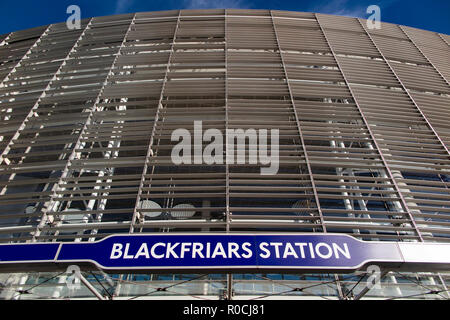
<point x="87" y="117"/>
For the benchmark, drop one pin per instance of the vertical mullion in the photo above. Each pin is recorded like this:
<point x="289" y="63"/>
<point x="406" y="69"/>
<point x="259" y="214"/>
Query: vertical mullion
<point x="404" y="88"/>
<point x="49" y="205"/>
<point x="305" y="152"/>
<point x="153" y="132"/>
<point x="424" y="55"/>
<point x="227" y="168"/>
<point x="366" y="123"/>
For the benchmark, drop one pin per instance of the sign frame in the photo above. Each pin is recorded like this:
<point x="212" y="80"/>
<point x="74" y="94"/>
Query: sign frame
<point x="437" y="259"/>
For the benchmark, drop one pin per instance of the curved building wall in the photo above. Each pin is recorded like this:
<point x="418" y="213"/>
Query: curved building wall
<point x="87" y="117"/>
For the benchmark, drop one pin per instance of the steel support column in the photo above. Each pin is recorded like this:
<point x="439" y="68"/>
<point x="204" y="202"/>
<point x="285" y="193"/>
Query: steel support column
<point x="91" y="287"/>
<point x="227" y="167"/>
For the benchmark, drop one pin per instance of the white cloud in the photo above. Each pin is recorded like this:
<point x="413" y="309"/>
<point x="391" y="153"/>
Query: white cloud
<point x="122" y="5"/>
<point x="340" y="8"/>
<point x="213" y="4"/>
<point x="348" y="8"/>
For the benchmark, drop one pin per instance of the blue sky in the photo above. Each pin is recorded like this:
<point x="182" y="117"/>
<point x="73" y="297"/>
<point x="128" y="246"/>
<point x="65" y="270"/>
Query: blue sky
<point x="429" y="15"/>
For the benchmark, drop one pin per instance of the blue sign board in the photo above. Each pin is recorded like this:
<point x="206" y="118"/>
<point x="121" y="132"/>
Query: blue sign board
<point x="209" y="251"/>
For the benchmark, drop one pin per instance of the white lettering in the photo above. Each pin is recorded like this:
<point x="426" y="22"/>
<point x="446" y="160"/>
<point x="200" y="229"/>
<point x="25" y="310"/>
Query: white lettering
<point x="125" y="254"/>
<point x="322" y="255"/>
<point x="197" y="249"/>
<point x="184" y="248"/>
<point x="289" y="251"/>
<point x="301" y="245"/>
<point x="277" y="246"/>
<point x="263" y="247"/>
<point x="170" y="249"/>
<point x="233" y="249"/>
<point x="345" y="252"/>
<point x="246" y="247"/>
<point x="143" y="251"/>
<point x="219" y="250"/>
<point x="116" y="251"/>
<point x="153" y="253"/>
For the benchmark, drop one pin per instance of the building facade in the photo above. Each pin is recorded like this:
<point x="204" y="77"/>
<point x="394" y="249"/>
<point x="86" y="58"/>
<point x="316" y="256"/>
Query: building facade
<point x="87" y="117"/>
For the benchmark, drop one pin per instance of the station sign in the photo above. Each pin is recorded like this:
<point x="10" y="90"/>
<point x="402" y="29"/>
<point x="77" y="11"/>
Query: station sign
<point x="254" y="252"/>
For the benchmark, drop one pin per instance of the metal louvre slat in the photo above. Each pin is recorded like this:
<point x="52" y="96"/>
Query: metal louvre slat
<point x="367" y="71"/>
<point x="387" y="30"/>
<point x="397" y="50"/>
<point x="300" y="35"/>
<point x="433" y="107"/>
<point x="422" y="78"/>
<point x="433" y="47"/>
